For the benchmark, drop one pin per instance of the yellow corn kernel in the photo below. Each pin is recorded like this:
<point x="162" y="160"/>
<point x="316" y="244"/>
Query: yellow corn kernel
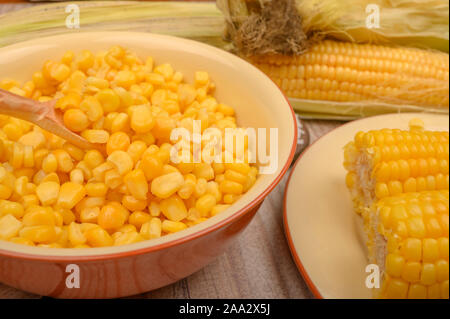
<point x="98" y="237"/>
<point x="201" y="79"/>
<point x="225" y="110"/>
<point x="75" y="120"/>
<point x="70" y="194"/>
<point x="52" y="177"/>
<point x="151" y="229"/>
<point x="92" y="108"/>
<point x="111" y="218"/>
<point x="166" y="185"/>
<point x="44" y="234"/>
<point x="16" y="159"/>
<point x="394" y="265"/>
<point x="128" y="228"/>
<point x="251" y="180"/>
<point x="137" y="184"/>
<point x="29" y="200"/>
<point x="125" y="79"/>
<point x="139" y="218"/>
<point x="109" y="100"/>
<point x="235" y="176"/>
<point x="113" y="179"/>
<point x="442" y="270"/>
<point x="120" y="123"/>
<point x="154" y="209"/>
<point x="96" y="189"/>
<point x="136" y="149"/>
<point x="169" y="226"/>
<point x="9" y="227"/>
<point x="89" y="214"/>
<point x="188" y="187"/>
<point x="67" y="215"/>
<point x="417" y="291"/>
<point x="128" y="238"/>
<point x="100" y="171"/>
<point x="88" y="202"/>
<point x="141" y="119"/>
<point x="39" y="156"/>
<point x="93" y="159"/>
<point x="69" y="101"/>
<point x="20" y="185"/>
<point x="96" y="136"/>
<point x="230" y="199"/>
<point x="205" y="204"/>
<point x="49" y="164"/>
<point x="204" y="170"/>
<point x="74" y="152"/>
<point x="218" y="209"/>
<point x="76" y="176"/>
<point x="34" y="139"/>
<point x="37" y="216"/>
<point x="22" y="241"/>
<point x="443" y="248"/>
<point x="47" y="193"/>
<point x="430" y="250"/>
<point x="76" y="236"/>
<point x="412" y="249"/>
<point x="151" y="165"/>
<point x="65" y="162"/>
<point x="118" y="141"/>
<point x="230" y="187"/>
<point x="12" y="131"/>
<point x="133" y="203"/>
<point x="396" y="289"/>
<point x="11" y="208"/>
<point x="173" y="208"/>
<point x="165" y="70"/>
<point x="97" y="82"/>
<point x="85" y="60"/>
<point x="5" y="192"/>
<point x="122" y="161"/>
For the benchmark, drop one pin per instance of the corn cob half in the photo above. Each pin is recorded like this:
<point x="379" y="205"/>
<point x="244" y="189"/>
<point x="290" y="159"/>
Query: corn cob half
<point x="399" y="183"/>
<point x="334" y="71"/>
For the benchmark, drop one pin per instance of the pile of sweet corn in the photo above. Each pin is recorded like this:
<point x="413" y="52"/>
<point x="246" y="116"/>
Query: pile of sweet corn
<point x="53" y="194"/>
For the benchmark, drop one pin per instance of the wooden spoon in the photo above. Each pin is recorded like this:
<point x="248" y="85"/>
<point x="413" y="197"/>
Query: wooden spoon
<point x="43" y="114"/>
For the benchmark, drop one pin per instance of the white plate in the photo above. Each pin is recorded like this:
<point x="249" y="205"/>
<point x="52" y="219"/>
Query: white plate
<point x="320" y="224"/>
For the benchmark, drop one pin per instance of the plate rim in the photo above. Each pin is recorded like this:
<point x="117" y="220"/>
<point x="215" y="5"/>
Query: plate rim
<point x="295" y="256"/>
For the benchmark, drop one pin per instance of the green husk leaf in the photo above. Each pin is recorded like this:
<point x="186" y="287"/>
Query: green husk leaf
<point x="198" y="21"/>
<point x="353" y="110"/>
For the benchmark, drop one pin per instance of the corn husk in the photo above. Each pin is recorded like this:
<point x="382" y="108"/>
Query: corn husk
<point x="197" y="21"/>
<point x="413" y="23"/>
<point x="260" y="28"/>
<point x="418" y="23"/>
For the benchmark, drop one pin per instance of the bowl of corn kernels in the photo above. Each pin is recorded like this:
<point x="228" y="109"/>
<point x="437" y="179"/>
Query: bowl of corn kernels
<point x="82" y="223"/>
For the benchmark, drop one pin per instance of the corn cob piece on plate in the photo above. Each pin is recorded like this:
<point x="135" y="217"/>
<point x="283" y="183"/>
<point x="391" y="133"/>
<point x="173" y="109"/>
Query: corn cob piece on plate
<point x="399" y="182"/>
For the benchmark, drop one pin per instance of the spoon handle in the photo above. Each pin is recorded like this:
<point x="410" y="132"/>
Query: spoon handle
<point x="42" y="114"/>
<point x="21" y="107"/>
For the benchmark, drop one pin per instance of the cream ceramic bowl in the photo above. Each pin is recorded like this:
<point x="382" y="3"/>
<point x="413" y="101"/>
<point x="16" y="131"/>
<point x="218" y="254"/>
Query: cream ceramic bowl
<point x="137" y="268"/>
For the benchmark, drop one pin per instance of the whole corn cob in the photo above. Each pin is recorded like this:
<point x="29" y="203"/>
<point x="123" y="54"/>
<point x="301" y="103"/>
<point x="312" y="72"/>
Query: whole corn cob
<point x="399" y="182"/>
<point x="347" y="72"/>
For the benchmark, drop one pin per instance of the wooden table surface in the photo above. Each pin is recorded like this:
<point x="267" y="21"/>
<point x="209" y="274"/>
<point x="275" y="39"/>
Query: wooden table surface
<point x="257" y="265"/>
